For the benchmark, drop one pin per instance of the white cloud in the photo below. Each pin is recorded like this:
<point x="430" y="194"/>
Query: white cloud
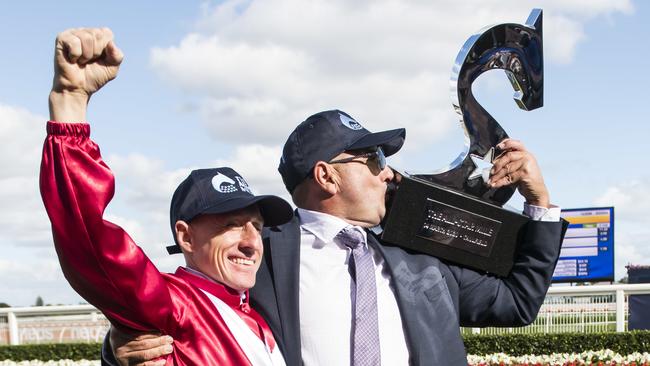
<point x="21" y="134"/>
<point x="143" y="182"/>
<point x="23" y="220"/>
<point x="263" y="66"/>
<point x="630" y="201"/>
<point x="258" y="165"/>
<point x="22" y="283"/>
<point x="29" y="266"/>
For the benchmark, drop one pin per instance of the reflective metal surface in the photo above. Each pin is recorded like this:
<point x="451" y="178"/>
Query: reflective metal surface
<point x="517" y="49"/>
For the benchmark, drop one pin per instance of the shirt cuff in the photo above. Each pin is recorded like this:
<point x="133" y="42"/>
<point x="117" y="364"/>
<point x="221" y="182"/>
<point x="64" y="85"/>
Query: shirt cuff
<point x="81" y="129"/>
<point x="538" y="213"/>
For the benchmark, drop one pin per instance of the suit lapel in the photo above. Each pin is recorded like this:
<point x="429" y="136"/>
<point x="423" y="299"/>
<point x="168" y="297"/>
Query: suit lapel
<point x="424" y="302"/>
<point x="285" y="257"/>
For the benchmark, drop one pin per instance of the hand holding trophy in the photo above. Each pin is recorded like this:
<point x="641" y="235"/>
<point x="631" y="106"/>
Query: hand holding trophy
<point x="456" y="213"/>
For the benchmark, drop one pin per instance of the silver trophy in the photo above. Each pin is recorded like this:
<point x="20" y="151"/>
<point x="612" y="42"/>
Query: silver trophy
<point x="452" y="213"/>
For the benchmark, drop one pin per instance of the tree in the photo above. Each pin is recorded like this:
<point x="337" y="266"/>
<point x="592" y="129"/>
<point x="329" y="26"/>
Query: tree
<point x="4" y="305"/>
<point x="39" y="301"/>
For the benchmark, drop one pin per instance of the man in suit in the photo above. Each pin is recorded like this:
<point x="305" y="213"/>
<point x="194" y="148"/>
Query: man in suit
<point x="308" y="284"/>
<point x="336" y="173"/>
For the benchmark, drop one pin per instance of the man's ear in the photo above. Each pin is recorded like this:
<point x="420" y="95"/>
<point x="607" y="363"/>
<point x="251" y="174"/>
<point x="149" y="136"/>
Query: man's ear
<point x="184" y="236"/>
<point x="326" y="177"/>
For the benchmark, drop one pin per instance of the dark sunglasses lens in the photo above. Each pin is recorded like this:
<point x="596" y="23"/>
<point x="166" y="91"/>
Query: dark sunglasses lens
<point x="381" y="159"/>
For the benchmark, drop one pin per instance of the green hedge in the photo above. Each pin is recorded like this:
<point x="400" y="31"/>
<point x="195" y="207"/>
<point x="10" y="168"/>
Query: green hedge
<point x="544" y="344"/>
<point x="512" y="344"/>
<point x="54" y="351"/>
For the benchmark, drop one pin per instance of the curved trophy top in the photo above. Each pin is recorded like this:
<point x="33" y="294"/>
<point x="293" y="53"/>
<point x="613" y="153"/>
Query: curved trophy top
<point x="517" y="49"/>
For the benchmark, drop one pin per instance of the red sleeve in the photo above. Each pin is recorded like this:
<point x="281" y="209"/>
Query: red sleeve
<point x="98" y="258"/>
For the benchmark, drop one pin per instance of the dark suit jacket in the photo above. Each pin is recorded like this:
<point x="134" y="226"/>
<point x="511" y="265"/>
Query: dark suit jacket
<point x="435" y="298"/>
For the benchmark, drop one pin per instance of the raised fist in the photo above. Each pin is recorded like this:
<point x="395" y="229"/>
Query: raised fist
<point x="85" y="59"/>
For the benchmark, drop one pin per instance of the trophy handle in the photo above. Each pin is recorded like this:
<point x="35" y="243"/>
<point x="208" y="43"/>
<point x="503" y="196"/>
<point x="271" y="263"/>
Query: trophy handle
<point x="517" y="49"/>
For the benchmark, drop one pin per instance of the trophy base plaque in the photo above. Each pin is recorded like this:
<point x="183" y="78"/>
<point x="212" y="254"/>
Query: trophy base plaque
<point x="463" y="229"/>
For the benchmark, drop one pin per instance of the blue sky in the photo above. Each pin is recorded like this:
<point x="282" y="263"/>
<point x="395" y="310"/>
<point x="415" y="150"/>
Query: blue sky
<point x="223" y="83"/>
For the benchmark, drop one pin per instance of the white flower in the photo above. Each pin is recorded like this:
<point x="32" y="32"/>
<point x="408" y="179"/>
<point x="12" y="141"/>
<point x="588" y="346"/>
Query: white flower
<point x="607" y="357"/>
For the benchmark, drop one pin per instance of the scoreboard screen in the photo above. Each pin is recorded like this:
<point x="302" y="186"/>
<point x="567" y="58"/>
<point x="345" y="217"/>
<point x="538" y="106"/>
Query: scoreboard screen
<point x="587" y="253"/>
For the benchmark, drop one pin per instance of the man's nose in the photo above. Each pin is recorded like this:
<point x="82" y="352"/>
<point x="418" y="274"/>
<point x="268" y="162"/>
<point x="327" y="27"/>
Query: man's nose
<point x="250" y="237"/>
<point x="387" y="174"/>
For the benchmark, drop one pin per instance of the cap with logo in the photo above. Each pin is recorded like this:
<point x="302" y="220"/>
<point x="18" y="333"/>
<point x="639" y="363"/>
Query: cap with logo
<point x="323" y="136"/>
<point x="217" y="191"/>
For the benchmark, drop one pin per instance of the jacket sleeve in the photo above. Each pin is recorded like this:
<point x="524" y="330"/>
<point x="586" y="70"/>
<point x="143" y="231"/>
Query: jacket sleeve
<point x="99" y="259"/>
<point x="485" y="300"/>
<point x="107" y="356"/>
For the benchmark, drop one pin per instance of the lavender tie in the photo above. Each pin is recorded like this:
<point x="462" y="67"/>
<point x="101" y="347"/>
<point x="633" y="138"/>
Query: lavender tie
<point x="366" y="326"/>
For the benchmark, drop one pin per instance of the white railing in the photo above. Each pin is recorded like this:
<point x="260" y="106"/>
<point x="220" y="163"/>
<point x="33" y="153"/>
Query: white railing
<point x="583" y="309"/>
<point x="52" y="324"/>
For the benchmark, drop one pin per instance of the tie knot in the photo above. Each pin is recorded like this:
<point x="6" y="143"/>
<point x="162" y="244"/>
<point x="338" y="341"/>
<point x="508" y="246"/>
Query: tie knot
<point x="351" y="237"/>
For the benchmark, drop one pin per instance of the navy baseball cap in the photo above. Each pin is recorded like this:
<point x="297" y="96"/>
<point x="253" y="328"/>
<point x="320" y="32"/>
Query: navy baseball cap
<point x="323" y="136"/>
<point x="221" y="190"/>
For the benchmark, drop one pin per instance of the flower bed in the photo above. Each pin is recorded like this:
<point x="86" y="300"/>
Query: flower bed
<point x="589" y="358"/>
<point x="50" y="363"/>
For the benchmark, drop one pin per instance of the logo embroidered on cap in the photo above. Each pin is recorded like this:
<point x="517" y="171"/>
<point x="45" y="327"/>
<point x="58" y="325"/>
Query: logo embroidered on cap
<point x="244" y="185"/>
<point x="349" y="122"/>
<point x="223" y="184"/>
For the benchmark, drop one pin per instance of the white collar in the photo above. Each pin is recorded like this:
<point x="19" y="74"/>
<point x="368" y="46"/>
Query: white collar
<point x="323" y="226"/>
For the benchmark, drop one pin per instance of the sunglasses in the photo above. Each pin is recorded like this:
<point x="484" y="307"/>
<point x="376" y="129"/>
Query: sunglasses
<point x="376" y="157"/>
